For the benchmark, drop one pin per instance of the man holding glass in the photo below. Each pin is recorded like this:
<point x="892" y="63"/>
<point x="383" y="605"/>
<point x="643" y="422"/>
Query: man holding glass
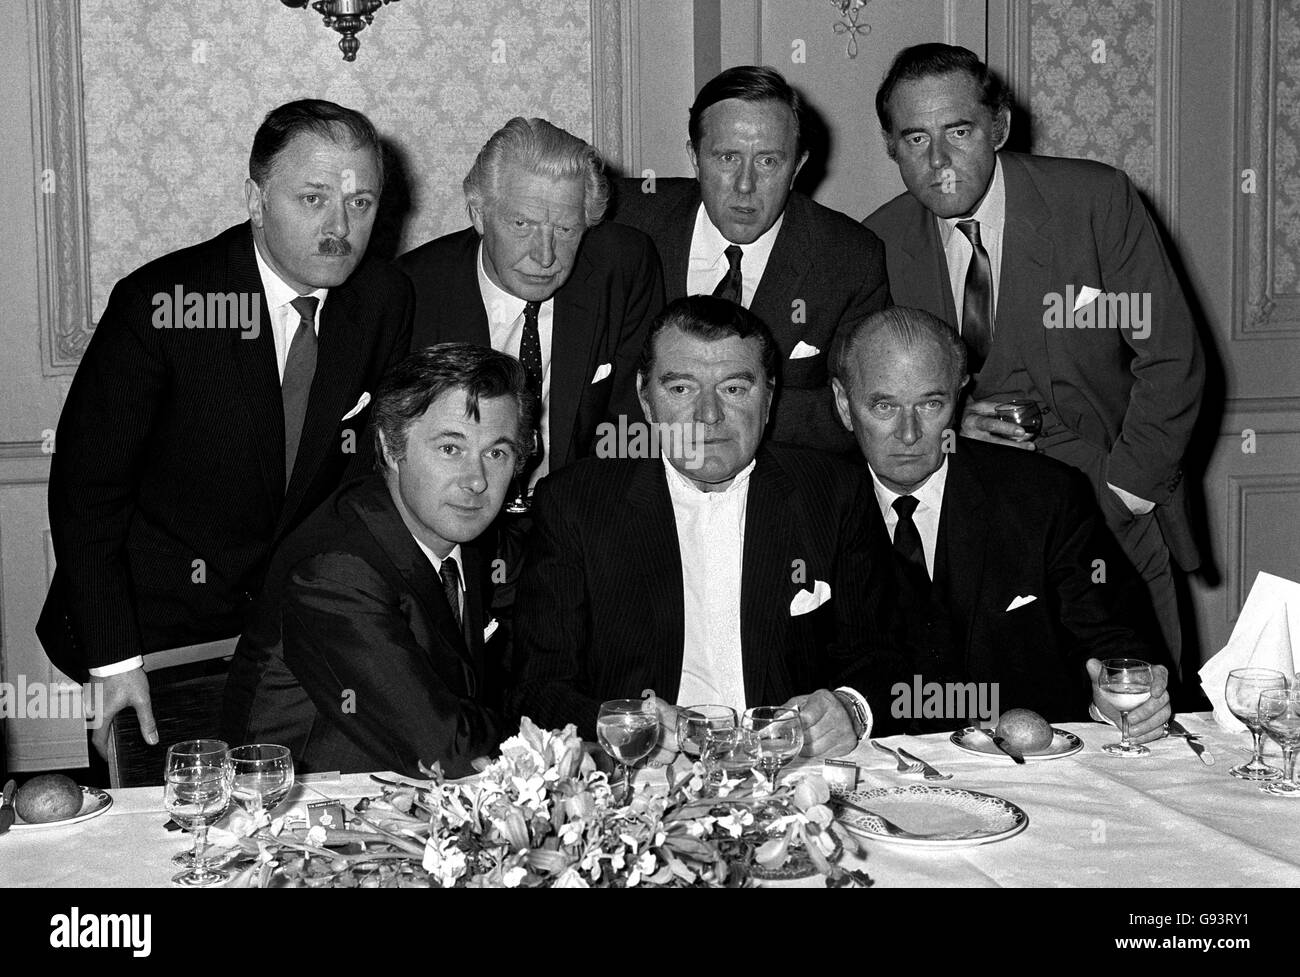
<point x="1004" y="571"/>
<point x="701" y="564"/>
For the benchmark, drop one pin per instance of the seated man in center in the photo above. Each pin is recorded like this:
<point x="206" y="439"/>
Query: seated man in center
<point x="720" y="571"/>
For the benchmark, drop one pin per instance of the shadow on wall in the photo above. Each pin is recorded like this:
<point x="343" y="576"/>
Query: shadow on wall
<point x="395" y="204"/>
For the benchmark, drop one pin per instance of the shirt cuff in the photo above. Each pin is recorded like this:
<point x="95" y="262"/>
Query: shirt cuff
<point x="117" y="668"/>
<point x="861" y="700"/>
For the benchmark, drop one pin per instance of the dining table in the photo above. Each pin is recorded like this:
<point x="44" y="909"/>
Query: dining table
<point x="1094" y="820"/>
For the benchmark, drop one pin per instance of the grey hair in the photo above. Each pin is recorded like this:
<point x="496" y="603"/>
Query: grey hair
<point x="542" y="148"/>
<point x="912" y="328"/>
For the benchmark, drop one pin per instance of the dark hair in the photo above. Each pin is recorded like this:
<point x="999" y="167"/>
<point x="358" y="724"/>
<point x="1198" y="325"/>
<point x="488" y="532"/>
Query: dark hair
<point x="749" y="83"/>
<point x="912" y="327"/>
<point x="542" y="148"/>
<point x="409" y="389"/>
<point x="926" y="61"/>
<point x="319" y="118"/>
<point x="711" y="319"/>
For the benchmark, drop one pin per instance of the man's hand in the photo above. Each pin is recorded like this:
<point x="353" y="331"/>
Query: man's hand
<point x="980" y="421"/>
<point x="1147" y="721"/>
<point x="124" y="689"/>
<point x="827" y="724"/>
<point x="667" y="749"/>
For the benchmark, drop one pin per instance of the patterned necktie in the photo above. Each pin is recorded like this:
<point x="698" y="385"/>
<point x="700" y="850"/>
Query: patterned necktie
<point x="530" y="355"/>
<point x="299" y="369"/>
<point x="907" y="544"/>
<point x="449" y="573"/>
<point x="730" y="288"/>
<point x="977" y="299"/>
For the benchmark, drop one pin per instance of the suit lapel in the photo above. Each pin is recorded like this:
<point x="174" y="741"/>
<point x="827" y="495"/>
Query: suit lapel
<point x="574" y="329"/>
<point x="963" y="533"/>
<point x="765" y="572"/>
<point x="787" y="266"/>
<point x="1026" y="275"/>
<point x="654" y="525"/>
<point x="675" y="242"/>
<point x="928" y="273"/>
<point x="464" y="320"/>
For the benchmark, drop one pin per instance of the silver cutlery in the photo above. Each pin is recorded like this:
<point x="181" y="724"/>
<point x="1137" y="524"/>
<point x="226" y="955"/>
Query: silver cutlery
<point x="890" y="828"/>
<point x="930" y="772"/>
<point x="1193" y="740"/>
<point x="904" y="766"/>
<point x="1000" y="743"/>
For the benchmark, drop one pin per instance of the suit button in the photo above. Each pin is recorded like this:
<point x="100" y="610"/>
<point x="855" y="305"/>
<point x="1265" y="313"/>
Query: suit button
<point x="246" y="597"/>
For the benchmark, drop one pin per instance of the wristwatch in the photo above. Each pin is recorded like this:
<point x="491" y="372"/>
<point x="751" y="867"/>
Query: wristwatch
<point x="855" y="711"/>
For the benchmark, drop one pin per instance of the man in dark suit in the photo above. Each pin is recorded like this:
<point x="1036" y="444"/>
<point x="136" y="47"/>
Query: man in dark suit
<point x="739" y="232"/>
<point x="537" y="278"/>
<point x="220" y="401"/>
<point x="369" y="649"/>
<point x="1054" y="273"/>
<point x="1005" y="572"/>
<point x="711" y="570"/>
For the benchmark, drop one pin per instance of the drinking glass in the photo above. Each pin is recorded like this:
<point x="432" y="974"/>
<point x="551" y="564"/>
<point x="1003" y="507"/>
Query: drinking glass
<point x="1125" y="684"/>
<point x="260" y="776"/>
<point x="695" y="722"/>
<point x="780" y="737"/>
<point x="1025" y="413"/>
<point x="1279" y="713"/>
<point x="1244" y="687"/>
<point x="520" y="501"/>
<point x="628" y="730"/>
<point x="729" y="753"/>
<point x="197" y="793"/>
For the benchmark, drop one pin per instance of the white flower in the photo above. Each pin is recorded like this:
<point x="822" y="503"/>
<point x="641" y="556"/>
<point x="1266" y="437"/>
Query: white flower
<point x="736" y="822"/>
<point x="316" y="836"/>
<point x="513" y="876"/>
<point x="647" y="864"/>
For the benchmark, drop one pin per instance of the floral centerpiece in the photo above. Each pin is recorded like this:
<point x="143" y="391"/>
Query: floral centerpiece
<point x="541" y="815"/>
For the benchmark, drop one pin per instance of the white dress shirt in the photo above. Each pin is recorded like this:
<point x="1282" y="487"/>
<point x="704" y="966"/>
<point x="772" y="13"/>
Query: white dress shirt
<point x="929" y="506"/>
<point x="992" y="217"/>
<point x="708" y="263"/>
<point x="284" y="323"/>
<point x="437" y="567"/>
<point x="505" y="315"/>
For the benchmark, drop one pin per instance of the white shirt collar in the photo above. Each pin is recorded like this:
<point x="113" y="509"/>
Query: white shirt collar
<point x="682" y="487"/>
<point x="500" y="305"/>
<point x="280" y="293"/>
<point x="709" y="241"/>
<point x="992" y="211"/>
<point x="437" y="563"/>
<point x="929" y="495"/>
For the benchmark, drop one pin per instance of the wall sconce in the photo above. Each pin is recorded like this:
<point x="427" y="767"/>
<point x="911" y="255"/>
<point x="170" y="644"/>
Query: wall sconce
<point x="849" y="11"/>
<point x="348" y="17"/>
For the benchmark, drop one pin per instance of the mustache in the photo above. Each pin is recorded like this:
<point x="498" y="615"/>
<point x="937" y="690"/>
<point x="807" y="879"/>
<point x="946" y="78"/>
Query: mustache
<point x="334" y="245"/>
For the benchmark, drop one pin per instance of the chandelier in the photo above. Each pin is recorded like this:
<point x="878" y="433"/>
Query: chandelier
<point x="348" y="17"/>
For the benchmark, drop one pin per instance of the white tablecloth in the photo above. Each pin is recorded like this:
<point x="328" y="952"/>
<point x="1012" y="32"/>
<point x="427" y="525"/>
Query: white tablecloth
<point x="1094" y="820"/>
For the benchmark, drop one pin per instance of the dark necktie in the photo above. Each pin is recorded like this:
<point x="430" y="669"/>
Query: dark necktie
<point x="907" y="544"/>
<point x="530" y="355"/>
<point x="299" y="369"/>
<point x="730" y="288"/>
<point x="449" y="572"/>
<point x="977" y="299"/>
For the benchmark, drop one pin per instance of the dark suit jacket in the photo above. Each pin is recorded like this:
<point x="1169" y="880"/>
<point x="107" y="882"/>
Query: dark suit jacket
<point x="1014" y="524"/>
<point x="600" y="611"/>
<point x="821" y="258"/>
<point x="602" y="314"/>
<point x="1074" y="222"/>
<point x="354" y="660"/>
<point x="167" y="490"/>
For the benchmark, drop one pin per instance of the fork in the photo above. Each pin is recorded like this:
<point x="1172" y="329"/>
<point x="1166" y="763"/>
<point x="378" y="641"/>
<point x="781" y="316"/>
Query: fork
<point x="893" y="830"/>
<point x="904" y="766"/>
<point x="931" y="773"/>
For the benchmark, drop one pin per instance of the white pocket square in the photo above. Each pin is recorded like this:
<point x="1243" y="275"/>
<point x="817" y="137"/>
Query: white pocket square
<point x="809" y="600"/>
<point x="491" y="629"/>
<point x="1021" y="602"/>
<point x="802" y="351"/>
<point x="1085" y="295"/>
<point x="602" y="371"/>
<point x="361" y="405"/>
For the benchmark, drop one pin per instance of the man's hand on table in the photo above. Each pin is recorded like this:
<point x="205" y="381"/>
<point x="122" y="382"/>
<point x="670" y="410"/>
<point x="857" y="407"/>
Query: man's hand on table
<point x="827" y="724"/>
<point x="980" y="421"/>
<point x="1147" y="721"/>
<point x="123" y="690"/>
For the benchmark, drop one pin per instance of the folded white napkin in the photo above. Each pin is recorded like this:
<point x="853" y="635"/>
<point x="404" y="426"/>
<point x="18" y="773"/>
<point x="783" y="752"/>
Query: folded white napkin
<point x="1265" y="634"/>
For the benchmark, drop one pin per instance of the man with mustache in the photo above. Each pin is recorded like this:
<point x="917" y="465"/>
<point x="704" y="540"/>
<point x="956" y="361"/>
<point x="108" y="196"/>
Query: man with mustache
<point x="194" y="439"/>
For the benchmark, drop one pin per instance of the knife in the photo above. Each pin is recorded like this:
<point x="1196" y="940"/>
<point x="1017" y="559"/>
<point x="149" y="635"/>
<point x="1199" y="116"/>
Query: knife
<point x="1001" y="744"/>
<point x="7" y="812"/>
<point x="1204" y="755"/>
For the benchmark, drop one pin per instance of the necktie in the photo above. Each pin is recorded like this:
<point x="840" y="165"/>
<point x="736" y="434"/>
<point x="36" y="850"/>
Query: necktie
<point x="977" y="299"/>
<point x="730" y="288"/>
<point x="530" y="355"/>
<point x="449" y="572"/>
<point x="907" y="544"/>
<point x="299" y="369"/>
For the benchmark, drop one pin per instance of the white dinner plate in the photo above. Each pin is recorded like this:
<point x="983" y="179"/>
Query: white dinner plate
<point x="1063" y="744"/>
<point x="935" y="817"/>
<point x="94" y="802"/>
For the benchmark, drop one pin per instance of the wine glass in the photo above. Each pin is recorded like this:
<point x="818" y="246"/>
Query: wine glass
<point x="197" y="793"/>
<point x="695" y="722"/>
<point x="729" y="752"/>
<point x="1125" y="684"/>
<point x="1244" y="687"/>
<point x="1025" y="413"/>
<point x="1279" y="713"/>
<point x="780" y="736"/>
<point x="521" y="501"/>
<point x="628" y="730"/>
<point x="260" y="776"/>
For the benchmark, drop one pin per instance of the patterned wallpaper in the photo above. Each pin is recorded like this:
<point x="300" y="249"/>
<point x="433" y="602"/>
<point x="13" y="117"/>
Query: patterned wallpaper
<point x="1285" y="179"/>
<point x="175" y="90"/>
<point x="1101" y="111"/>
